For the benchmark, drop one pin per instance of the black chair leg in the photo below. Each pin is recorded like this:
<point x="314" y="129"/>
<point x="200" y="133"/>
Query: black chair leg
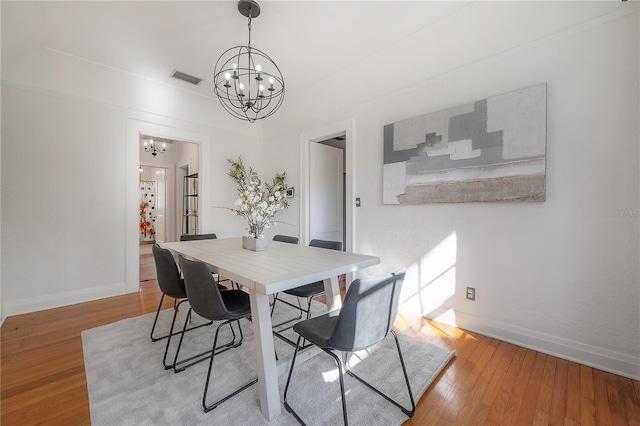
<point x="278" y="333"/>
<point x="176" y="309"/>
<point x="299" y="308"/>
<point x="408" y="412"/>
<point x="286" y="387"/>
<point x="183" y="364"/>
<point x="155" y="321"/>
<point x="340" y="374"/>
<point x="213" y="352"/>
<point x="175" y="304"/>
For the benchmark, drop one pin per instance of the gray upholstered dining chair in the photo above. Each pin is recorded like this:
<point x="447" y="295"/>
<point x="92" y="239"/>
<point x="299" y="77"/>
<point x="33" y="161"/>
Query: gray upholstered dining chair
<point x="285" y="239"/>
<point x="197" y="237"/>
<point x="172" y="285"/>
<point x="366" y="317"/>
<point x="193" y="237"/>
<point x="307" y="291"/>
<point x="209" y="302"/>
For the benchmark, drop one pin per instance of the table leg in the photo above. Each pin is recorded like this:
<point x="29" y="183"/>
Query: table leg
<point x="268" y="390"/>
<point x="332" y="292"/>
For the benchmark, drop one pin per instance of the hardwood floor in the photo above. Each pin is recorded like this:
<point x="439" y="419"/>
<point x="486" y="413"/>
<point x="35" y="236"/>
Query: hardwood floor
<point x="488" y="382"/>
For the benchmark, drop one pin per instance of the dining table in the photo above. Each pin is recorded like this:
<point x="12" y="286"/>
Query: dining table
<point x="282" y="266"/>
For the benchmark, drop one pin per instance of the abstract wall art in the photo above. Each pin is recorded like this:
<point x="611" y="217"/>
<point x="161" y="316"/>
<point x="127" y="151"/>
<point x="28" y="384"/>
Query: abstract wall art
<point x="486" y="151"/>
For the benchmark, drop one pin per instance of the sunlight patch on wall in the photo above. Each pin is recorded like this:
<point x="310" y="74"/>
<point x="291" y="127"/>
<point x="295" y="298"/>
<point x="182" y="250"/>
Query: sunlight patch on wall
<point x="431" y="281"/>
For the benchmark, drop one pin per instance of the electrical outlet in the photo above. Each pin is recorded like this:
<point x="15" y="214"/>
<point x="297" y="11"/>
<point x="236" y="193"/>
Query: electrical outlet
<point x="471" y="293"/>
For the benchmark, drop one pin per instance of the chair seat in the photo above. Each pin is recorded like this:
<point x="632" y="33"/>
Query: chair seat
<point x="318" y="330"/>
<point x="177" y="294"/>
<point x="307" y="290"/>
<point x="237" y="303"/>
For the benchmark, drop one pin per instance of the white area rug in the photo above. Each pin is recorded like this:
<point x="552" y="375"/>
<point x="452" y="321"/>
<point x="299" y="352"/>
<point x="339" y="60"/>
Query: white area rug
<point x="128" y="384"/>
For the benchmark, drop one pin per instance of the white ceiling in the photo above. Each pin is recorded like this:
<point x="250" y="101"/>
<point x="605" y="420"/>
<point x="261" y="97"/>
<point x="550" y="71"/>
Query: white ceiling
<point x="334" y="54"/>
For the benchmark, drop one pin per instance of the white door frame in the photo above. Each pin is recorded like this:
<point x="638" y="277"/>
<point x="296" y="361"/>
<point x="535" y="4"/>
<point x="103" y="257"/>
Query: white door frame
<point x="317" y="135"/>
<point x="134" y="129"/>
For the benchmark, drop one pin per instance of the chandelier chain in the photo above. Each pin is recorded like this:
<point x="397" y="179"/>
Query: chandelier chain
<point x="249" y="25"/>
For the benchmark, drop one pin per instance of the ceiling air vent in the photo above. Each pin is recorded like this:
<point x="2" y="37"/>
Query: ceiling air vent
<point x="186" y="77"/>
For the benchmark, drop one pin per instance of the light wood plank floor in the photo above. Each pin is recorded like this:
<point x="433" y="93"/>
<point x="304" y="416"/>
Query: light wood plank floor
<point x="488" y="382"/>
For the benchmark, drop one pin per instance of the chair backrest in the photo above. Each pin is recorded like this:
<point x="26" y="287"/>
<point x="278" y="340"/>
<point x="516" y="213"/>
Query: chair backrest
<point x="333" y="245"/>
<point x="368" y="312"/>
<point x="168" y="274"/>
<point x="202" y="290"/>
<point x="286" y="239"/>
<point x="186" y="237"/>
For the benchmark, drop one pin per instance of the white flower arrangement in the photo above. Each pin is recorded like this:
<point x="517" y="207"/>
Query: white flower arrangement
<point x="257" y="202"/>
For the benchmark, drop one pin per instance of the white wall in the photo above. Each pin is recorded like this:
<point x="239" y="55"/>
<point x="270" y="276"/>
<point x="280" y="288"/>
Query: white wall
<point x="560" y="276"/>
<point x="65" y="166"/>
<point x="2" y="312"/>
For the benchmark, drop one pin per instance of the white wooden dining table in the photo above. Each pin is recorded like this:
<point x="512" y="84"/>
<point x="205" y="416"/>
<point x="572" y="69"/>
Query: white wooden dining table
<point x="282" y="266"/>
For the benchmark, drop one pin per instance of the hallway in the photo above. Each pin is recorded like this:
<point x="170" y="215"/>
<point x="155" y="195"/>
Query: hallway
<point x="147" y="265"/>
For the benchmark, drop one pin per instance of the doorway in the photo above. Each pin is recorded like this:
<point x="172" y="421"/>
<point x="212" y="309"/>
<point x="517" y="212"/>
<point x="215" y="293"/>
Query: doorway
<point x="200" y="143"/>
<point x="161" y="194"/>
<point x="338" y="136"/>
<point x="327" y="215"/>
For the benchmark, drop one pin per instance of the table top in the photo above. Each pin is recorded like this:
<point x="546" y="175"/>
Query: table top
<point x="281" y="267"/>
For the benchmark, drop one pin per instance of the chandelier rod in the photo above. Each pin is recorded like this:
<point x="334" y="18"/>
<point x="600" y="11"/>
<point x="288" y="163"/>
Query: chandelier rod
<point x="249" y="25"/>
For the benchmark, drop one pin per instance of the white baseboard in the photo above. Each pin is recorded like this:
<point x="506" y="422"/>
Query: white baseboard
<point x="592" y="356"/>
<point x="39" y="303"/>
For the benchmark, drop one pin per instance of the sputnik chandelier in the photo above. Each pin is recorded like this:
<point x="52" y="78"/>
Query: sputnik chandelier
<point x="247" y="82"/>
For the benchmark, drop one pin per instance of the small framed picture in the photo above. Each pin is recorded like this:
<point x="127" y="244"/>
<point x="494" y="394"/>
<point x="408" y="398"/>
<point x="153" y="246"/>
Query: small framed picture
<point x="289" y="193"/>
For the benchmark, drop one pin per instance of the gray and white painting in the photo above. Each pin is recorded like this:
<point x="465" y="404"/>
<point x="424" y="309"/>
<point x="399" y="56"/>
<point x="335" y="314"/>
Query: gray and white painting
<point x="489" y="150"/>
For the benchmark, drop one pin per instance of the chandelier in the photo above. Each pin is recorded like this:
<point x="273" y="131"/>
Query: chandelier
<point x="153" y="149"/>
<point x="247" y="82"/>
